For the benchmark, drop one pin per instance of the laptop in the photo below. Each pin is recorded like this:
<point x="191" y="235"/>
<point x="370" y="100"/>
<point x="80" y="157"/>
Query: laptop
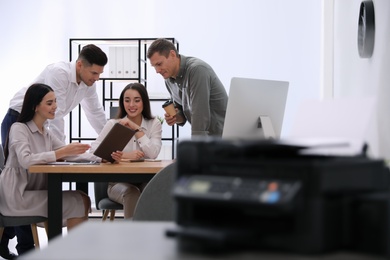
<point x="73" y="163"/>
<point x="115" y="140"/>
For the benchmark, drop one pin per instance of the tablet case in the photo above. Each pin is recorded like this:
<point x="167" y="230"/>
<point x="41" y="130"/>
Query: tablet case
<point x="115" y="140"/>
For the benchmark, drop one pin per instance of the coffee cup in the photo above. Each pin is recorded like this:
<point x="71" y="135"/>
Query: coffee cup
<point x="169" y="107"/>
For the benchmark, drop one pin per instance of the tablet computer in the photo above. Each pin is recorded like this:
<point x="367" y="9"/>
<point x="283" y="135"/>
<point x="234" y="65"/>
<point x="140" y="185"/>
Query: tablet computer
<point x="115" y="140"/>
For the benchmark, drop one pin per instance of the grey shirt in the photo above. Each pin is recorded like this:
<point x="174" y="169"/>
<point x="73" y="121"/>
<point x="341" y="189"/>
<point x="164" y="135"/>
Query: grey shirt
<point x="200" y="96"/>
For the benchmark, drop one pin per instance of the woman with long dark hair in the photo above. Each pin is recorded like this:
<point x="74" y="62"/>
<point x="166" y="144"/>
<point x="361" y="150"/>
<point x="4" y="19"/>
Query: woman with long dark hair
<point x="30" y="142"/>
<point x="134" y="112"/>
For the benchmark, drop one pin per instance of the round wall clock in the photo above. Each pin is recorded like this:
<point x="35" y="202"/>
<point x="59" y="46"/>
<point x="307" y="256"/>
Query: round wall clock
<point x="366" y="29"/>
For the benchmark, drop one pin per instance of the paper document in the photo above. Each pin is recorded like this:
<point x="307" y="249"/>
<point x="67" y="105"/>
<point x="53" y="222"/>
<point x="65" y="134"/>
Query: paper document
<point x="330" y="122"/>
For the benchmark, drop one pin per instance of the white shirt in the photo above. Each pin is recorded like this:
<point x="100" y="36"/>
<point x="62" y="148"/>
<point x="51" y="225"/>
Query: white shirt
<point x="150" y="143"/>
<point x="61" y="77"/>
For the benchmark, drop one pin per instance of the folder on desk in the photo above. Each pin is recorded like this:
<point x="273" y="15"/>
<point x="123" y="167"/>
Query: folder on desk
<point x="115" y="140"/>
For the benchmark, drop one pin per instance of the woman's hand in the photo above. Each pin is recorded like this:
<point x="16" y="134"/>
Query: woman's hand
<point x="71" y="150"/>
<point x="77" y="148"/>
<point x="117" y="156"/>
<point x="134" y="155"/>
<point x="127" y="122"/>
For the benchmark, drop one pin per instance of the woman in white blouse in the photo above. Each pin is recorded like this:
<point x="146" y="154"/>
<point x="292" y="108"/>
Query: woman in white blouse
<point x="134" y="109"/>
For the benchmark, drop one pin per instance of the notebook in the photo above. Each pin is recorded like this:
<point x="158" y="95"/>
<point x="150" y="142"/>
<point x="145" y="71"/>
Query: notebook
<point x="115" y="140"/>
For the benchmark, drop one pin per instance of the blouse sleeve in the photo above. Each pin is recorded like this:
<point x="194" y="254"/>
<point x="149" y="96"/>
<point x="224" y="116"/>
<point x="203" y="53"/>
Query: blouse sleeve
<point x="19" y="141"/>
<point x="151" y="142"/>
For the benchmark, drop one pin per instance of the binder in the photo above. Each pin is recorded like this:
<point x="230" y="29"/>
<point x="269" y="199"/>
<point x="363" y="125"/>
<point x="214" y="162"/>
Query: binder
<point x="119" y="62"/>
<point x="112" y="62"/>
<point x="130" y="62"/>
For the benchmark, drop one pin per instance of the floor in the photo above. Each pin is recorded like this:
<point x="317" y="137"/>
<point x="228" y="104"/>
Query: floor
<point x="94" y="216"/>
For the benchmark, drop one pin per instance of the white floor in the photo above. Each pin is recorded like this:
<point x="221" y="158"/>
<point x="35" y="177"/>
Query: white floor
<point x="94" y="216"/>
<point x="41" y="231"/>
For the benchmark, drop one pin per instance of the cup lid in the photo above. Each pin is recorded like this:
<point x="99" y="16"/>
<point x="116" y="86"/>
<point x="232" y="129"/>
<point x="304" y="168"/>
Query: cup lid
<point x="167" y="103"/>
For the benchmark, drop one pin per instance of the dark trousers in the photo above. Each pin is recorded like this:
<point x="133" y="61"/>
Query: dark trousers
<point x="23" y="233"/>
<point x="24" y="237"/>
<point x="8" y="120"/>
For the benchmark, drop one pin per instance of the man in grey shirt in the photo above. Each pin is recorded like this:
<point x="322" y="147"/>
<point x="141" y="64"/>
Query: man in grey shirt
<point x="195" y="89"/>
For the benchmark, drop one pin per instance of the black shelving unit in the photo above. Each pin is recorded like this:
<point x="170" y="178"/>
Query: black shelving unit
<point x="110" y="85"/>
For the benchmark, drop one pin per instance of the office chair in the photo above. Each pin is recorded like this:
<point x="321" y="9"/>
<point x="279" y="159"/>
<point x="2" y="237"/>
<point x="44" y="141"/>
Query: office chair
<point x="13" y="221"/>
<point x="156" y="201"/>
<point x="103" y="202"/>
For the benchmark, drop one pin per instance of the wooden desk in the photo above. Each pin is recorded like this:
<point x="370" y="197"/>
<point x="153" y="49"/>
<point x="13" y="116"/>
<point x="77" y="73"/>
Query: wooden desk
<point x="126" y="239"/>
<point x="57" y="174"/>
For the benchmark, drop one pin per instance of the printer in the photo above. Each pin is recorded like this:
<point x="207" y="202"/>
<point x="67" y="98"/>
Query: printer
<point x="268" y="195"/>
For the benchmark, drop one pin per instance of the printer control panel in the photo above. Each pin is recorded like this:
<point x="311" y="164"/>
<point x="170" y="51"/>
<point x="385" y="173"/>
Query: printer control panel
<point x="237" y="189"/>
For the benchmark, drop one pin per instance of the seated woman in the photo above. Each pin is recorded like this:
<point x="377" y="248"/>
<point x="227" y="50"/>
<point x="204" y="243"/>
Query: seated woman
<point x="135" y="112"/>
<point x="30" y="142"/>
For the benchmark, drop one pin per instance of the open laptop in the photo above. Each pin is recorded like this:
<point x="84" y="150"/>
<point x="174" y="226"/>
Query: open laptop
<point x="115" y="140"/>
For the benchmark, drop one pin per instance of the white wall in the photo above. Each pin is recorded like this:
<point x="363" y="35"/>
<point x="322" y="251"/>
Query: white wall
<point x="357" y="77"/>
<point x="277" y="39"/>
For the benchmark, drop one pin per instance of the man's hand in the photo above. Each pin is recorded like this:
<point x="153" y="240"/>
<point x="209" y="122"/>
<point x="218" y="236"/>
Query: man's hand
<point x="176" y="119"/>
<point x="171" y="120"/>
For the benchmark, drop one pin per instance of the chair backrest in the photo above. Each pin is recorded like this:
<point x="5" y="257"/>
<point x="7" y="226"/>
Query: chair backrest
<point x="100" y="189"/>
<point x="156" y="201"/>
<point x="113" y="112"/>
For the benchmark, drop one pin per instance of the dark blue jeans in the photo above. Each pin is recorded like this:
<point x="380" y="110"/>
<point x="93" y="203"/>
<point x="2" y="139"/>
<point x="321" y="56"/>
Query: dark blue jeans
<point x="23" y="233"/>
<point x="24" y="237"/>
<point x="8" y="120"/>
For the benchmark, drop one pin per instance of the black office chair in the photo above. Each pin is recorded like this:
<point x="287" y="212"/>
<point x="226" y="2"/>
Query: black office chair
<point x="11" y="221"/>
<point x="156" y="201"/>
<point x="102" y="201"/>
<point x="7" y="221"/>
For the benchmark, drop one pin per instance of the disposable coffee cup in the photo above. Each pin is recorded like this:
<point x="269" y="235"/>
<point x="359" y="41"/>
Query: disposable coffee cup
<point x="169" y="108"/>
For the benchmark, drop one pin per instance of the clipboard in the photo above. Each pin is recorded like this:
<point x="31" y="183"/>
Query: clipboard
<point x="115" y="140"/>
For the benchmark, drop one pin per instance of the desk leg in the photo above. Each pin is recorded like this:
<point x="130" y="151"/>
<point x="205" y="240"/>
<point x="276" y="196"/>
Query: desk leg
<point x="54" y="207"/>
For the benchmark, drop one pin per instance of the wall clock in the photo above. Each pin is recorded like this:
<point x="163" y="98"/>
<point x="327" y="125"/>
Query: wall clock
<point x="366" y="29"/>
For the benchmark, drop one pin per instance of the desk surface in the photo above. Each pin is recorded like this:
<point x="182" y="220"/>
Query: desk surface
<point x="122" y="167"/>
<point x="143" y="240"/>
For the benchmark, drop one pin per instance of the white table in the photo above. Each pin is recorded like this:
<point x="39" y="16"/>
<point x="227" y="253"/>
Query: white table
<point x="144" y="241"/>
